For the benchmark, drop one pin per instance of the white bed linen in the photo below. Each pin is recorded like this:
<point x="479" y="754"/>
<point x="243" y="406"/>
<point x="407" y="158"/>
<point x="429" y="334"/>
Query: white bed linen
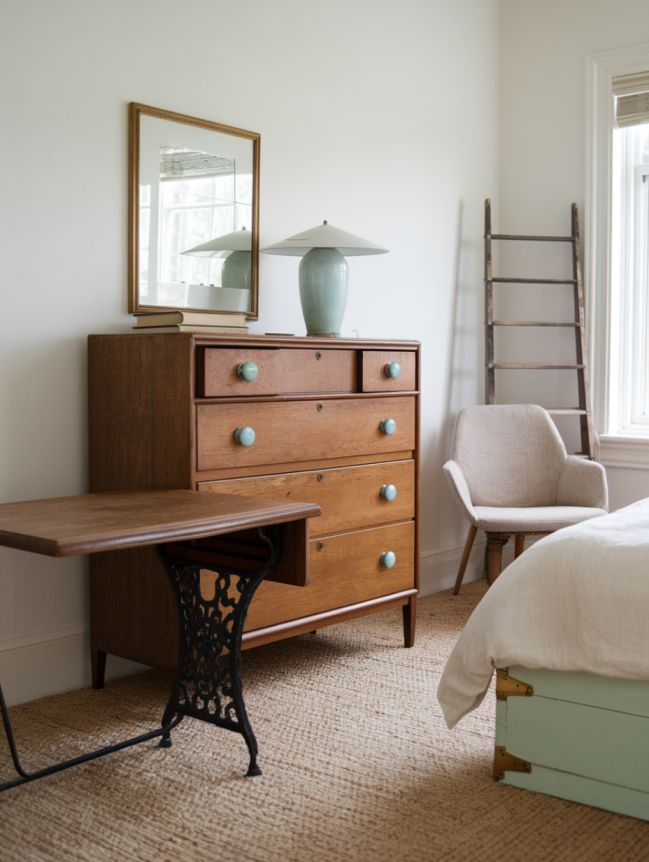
<point x="577" y="600"/>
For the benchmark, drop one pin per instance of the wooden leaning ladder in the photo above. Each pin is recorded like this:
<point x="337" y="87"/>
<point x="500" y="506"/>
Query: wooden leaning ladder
<point x="582" y="410"/>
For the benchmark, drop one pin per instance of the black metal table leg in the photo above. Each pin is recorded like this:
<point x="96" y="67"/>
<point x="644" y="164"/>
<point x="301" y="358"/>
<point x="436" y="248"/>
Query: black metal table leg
<point x="208" y="679"/>
<point x="207" y="684"/>
<point x="24" y="776"/>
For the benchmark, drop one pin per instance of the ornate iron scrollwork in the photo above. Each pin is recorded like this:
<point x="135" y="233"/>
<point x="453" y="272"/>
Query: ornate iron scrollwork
<point x="208" y="682"/>
<point x="207" y="685"/>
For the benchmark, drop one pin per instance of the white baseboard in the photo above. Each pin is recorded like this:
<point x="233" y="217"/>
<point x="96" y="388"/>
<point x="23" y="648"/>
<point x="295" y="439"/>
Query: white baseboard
<point x="438" y="568"/>
<point x="39" y="665"/>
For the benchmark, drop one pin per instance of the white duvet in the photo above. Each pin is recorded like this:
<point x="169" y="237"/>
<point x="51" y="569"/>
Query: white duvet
<point x="577" y="600"/>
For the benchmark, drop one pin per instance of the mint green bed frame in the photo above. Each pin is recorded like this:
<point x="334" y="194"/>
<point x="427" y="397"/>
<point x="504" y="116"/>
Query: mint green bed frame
<point x="575" y="735"/>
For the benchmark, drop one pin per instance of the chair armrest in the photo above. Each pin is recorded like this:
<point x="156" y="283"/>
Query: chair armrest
<point x="582" y="483"/>
<point x="460" y="488"/>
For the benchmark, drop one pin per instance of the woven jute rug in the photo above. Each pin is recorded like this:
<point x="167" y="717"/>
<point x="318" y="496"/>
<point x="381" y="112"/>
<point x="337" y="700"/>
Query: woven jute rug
<point x="357" y="765"/>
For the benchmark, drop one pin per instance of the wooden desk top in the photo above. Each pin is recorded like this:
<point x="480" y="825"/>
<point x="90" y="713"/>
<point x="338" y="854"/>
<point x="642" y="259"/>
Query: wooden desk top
<point x="110" y="521"/>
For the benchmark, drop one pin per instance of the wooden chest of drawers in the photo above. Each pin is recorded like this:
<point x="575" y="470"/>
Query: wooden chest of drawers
<point x="330" y="421"/>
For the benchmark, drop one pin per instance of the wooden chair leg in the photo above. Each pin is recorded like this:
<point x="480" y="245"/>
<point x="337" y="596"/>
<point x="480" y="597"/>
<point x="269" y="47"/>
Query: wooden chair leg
<point x="495" y="544"/>
<point x="465" y="558"/>
<point x="519" y="544"/>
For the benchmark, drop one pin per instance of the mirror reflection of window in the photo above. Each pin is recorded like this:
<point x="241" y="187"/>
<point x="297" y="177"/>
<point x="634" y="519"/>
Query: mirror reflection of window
<point x="197" y="182"/>
<point x="201" y="197"/>
<point x="145" y="231"/>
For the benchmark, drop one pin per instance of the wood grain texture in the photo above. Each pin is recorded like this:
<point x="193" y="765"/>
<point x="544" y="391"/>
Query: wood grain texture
<point x="301" y="430"/>
<point x="349" y="497"/>
<point x="308" y="624"/>
<point x="110" y="521"/>
<point x="290" y="466"/>
<point x="344" y="569"/>
<point x="280" y="371"/>
<point x="140" y="411"/>
<point x="374" y="377"/>
<point x="144" y="399"/>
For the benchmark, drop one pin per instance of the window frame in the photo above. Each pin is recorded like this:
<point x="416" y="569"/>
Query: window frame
<point x="623" y="449"/>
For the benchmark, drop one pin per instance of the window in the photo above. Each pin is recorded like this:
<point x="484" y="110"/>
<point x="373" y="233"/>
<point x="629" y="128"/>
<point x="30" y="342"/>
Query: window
<point x="629" y="282"/>
<point x="617" y="251"/>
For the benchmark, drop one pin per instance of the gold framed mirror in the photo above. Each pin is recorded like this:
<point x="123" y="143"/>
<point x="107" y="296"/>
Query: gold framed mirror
<point x="193" y="214"/>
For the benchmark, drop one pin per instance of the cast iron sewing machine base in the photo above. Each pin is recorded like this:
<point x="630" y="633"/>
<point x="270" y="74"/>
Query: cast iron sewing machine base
<point x="207" y="683"/>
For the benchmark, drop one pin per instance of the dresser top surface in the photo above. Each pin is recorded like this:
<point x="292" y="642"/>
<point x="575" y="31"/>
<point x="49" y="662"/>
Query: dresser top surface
<point x="278" y="340"/>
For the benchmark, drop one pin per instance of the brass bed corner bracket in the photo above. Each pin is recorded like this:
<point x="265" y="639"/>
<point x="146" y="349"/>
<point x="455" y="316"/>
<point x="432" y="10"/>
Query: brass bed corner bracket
<point x="504" y="761"/>
<point x="507" y="686"/>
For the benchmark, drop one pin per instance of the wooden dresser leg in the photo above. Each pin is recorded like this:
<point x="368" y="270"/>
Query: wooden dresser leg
<point x="409" y="621"/>
<point x="98" y="662"/>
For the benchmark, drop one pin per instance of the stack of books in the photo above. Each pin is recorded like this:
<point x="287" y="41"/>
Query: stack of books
<point x="215" y="323"/>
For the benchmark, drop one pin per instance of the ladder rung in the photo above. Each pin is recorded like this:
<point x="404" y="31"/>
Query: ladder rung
<point x="532" y="280"/>
<point x="531" y="323"/>
<point x="581" y="413"/>
<point x="515" y="236"/>
<point x="566" y="411"/>
<point x="529" y="365"/>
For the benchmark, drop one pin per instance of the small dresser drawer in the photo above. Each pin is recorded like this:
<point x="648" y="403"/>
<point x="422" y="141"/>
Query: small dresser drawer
<point x="227" y="371"/>
<point x="349" y="565"/>
<point x="271" y="432"/>
<point x="388" y="371"/>
<point x="350" y="497"/>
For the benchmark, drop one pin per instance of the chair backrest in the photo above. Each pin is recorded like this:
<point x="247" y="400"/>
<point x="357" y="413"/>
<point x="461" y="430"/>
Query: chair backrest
<point x="510" y="454"/>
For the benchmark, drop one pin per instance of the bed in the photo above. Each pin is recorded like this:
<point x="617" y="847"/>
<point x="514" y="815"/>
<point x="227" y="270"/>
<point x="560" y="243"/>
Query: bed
<point x="567" y="628"/>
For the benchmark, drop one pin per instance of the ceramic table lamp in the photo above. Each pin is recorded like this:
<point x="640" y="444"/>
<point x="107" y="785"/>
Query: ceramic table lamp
<point x="237" y="266"/>
<point x="323" y="273"/>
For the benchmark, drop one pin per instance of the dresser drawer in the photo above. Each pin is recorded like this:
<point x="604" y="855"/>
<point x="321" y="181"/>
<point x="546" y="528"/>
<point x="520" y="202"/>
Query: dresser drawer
<point x="290" y="431"/>
<point x="227" y="371"/>
<point x="344" y="569"/>
<point x="388" y="371"/>
<point x="350" y="497"/>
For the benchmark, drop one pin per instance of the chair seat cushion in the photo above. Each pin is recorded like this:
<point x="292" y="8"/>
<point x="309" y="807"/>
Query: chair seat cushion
<point x="532" y="519"/>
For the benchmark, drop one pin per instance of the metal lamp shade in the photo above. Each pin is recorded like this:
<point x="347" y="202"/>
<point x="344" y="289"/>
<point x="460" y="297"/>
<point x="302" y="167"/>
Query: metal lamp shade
<point x="323" y="273"/>
<point x="236" y="247"/>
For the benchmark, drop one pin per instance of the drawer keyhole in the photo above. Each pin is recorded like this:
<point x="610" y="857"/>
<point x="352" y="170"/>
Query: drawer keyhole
<point x="320" y="477"/>
<point x="319" y="545"/>
<point x="318" y="355"/>
<point x="319" y="407"/>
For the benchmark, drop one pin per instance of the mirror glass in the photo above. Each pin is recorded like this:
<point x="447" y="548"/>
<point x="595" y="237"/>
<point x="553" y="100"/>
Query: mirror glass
<point x="193" y="213"/>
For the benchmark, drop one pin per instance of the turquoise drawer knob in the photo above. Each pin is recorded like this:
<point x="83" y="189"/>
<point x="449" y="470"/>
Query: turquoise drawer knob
<point x="245" y="436"/>
<point x="388" y="559"/>
<point x="247" y="371"/>
<point x="387" y="426"/>
<point x="393" y="370"/>
<point x="388" y="492"/>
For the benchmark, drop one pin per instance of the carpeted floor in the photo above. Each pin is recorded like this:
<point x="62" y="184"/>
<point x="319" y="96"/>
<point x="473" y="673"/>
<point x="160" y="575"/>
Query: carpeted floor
<point x="358" y="765"/>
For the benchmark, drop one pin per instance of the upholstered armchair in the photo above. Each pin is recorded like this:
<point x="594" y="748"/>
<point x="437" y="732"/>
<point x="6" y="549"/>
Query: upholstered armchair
<point x="511" y="475"/>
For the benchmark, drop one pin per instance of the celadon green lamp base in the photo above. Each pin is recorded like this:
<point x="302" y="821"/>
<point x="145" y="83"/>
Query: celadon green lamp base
<point x="237" y="270"/>
<point x="323" y="290"/>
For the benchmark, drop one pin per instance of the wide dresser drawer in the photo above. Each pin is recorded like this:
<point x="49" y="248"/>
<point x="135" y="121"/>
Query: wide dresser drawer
<point x="344" y="569"/>
<point x="240" y="371"/>
<point x="293" y="431"/>
<point x="350" y="497"/>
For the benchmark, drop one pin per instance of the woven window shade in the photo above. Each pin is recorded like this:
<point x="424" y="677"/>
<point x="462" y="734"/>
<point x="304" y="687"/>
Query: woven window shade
<point x="631" y="93"/>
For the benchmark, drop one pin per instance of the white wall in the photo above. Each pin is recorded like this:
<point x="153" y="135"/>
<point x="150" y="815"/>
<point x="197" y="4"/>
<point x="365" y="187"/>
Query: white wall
<point x="543" y="157"/>
<point x="380" y="116"/>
